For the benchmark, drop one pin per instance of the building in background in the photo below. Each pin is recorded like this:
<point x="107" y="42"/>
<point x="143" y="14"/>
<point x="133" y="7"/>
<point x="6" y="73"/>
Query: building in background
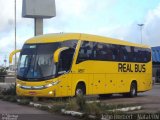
<point x="156" y="63"/>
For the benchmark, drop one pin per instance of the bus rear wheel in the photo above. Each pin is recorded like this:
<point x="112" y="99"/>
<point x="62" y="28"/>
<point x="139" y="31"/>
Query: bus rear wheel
<point x="133" y="90"/>
<point x="80" y="89"/>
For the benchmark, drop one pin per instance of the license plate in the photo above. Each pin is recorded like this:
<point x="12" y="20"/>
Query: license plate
<point x="32" y="93"/>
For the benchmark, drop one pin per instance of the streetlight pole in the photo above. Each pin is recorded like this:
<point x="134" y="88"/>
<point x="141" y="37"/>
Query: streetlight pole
<point x="141" y="27"/>
<point x="15" y="25"/>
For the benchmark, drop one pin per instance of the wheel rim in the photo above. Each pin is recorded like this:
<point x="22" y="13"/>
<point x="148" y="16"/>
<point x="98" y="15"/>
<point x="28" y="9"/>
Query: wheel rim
<point x="79" y="92"/>
<point x="133" y="91"/>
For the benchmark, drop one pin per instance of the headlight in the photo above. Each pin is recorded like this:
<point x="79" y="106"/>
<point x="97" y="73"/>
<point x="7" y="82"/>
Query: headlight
<point x="18" y="85"/>
<point x="51" y="84"/>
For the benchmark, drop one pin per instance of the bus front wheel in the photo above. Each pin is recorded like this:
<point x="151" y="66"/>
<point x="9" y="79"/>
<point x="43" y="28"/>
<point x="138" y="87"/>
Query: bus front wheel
<point x="80" y="89"/>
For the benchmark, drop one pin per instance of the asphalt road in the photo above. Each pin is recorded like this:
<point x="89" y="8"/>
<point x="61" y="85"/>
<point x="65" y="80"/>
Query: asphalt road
<point x="12" y="111"/>
<point x="150" y="100"/>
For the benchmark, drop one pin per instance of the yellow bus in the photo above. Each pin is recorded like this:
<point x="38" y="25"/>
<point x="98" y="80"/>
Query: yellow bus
<point x="61" y="65"/>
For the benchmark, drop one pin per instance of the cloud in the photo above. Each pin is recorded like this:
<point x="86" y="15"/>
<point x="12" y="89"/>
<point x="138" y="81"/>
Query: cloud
<point x="6" y="14"/>
<point x="77" y="15"/>
<point x="131" y="32"/>
<point x="152" y="27"/>
<point x="84" y="16"/>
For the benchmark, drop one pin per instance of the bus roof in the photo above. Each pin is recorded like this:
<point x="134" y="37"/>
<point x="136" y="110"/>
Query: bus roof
<point x="57" y="37"/>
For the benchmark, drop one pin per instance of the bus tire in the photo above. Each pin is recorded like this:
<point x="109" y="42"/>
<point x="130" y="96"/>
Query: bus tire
<point x="80" y="89"/>
<point x="133" y="89"/>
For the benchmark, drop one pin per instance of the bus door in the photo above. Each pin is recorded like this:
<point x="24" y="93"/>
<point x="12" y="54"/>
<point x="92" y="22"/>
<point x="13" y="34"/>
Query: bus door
<point x="64" y="58"/>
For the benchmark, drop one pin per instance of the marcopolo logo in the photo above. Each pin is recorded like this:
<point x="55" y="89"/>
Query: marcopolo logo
<point x="124" y="67"/>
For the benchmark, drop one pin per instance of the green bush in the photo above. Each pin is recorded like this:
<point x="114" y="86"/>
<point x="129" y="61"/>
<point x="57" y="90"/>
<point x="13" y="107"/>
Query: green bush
<point x="13" y="99"/>
<point x="72" y="104"/>
<point x="6" y="97"/>
<point x="35" y="99"/>
<point x="10" y="91"/>
<point x="93" y="109"/>
<point x="81" y="101"/>
<point x="3" y="71"/>
<point x="57" y="108"/>
<point x="77" y="104"/>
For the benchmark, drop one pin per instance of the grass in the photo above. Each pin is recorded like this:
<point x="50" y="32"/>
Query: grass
<point x="43" y="107"/>
<point x="24" y="101"/>
<point x="35" y="99"/>
<point x="78" y="103"/>
<point x="72" y="104"/>
<point x="57" y="108"/>
<point x="6" y="97"/>
<point x="93" y="109"/>
<point x="13" y="99"/>
<point x="81" y="102"/>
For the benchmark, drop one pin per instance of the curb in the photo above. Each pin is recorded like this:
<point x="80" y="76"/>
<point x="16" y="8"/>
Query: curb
<point x="127" y="109"/>
<point x="72" y="113"/>
<point x="80" y="114"/>
<point x="35" y="104"/>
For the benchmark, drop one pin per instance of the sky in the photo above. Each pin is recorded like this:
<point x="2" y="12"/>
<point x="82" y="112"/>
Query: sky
<point x="110" y="18"/>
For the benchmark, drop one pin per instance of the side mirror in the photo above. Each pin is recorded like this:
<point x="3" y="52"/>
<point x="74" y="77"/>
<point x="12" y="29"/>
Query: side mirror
<point x="12" y="54"/>
<point x="56" y="54"/>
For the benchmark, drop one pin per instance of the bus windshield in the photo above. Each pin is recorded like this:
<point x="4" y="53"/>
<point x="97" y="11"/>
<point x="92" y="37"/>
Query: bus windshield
<point x="36" y="61"/>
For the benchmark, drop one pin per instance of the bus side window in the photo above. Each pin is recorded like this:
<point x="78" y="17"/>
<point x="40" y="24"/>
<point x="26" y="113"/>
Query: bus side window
<point x="85" y="52"/>
<point x="140" y="54"/>
<point x="143" y="56"/>
<point x="103" y="52"/>
<point x="114" y="52"/>
<point x="109" y="55"/>
<point x="132" y="56"/>
<point x="126" y="51"/>
<point x="137" y="54"/>
<point x="121" y="56"/>
<point x="98" y="48"/>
